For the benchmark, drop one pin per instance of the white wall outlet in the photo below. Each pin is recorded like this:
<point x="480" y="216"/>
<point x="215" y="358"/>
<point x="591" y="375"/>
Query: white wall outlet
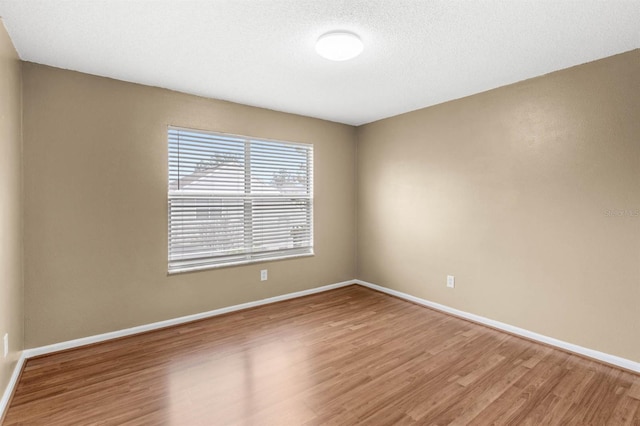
<point x="263" y="275"/>
<point x="451" y="281"/>
<point x="6" y="344"/>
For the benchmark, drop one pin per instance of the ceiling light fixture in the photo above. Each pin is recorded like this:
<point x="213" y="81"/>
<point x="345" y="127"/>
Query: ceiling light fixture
<point x="339" y="46"/>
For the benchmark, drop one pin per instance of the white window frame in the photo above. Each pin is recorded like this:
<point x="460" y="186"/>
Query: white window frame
<point x="183" y="263"/>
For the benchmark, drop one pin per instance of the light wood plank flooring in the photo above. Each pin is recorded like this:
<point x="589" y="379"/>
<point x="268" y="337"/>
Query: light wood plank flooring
<point x="343" y="357"/>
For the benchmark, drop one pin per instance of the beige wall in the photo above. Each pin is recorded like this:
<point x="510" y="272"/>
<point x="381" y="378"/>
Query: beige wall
<point x="509" y="190"/>
<point x="95" y="176"/>
<point x="11" y="290"/>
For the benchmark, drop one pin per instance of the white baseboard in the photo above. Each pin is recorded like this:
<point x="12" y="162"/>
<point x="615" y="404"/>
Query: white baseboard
<point x="83" y="341"/>
<point x="590" y="353"/>
<point x="13" y="381"/>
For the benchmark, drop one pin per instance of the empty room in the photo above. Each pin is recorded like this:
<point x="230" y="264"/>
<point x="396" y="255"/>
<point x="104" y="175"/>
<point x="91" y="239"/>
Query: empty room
<point x="329" y="212"/>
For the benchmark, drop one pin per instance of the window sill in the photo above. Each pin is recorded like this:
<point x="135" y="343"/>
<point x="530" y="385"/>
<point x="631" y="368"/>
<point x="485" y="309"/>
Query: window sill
<point x="232" y="264"/>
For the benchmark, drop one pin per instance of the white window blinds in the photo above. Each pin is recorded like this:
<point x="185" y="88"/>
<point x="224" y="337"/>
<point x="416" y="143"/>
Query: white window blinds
<point x="236" y="200"/>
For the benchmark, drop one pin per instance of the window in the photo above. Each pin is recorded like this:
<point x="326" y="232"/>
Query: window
<point x="234" y="199"/>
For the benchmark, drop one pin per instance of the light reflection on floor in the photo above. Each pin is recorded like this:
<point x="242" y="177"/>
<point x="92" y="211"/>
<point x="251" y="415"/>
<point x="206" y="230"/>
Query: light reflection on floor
<point x="238" y="381"/>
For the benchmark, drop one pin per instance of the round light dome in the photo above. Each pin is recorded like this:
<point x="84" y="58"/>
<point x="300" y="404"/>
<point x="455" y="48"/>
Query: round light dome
<point x="339" y="46"/>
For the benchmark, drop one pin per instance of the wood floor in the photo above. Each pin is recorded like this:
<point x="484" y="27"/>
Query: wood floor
<point x="344" y="357"/>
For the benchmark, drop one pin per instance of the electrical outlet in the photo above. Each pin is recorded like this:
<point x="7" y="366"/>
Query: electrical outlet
<point x="451" y="281"/>
<point x="6" y="344"/>
<point x="263" y="275"/>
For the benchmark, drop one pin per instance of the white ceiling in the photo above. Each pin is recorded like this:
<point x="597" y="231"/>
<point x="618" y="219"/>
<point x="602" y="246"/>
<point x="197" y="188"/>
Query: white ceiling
<point x="261" y="52"/>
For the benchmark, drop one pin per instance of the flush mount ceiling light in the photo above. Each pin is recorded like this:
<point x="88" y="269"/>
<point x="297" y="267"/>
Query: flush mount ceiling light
<point x="339" y="46"/>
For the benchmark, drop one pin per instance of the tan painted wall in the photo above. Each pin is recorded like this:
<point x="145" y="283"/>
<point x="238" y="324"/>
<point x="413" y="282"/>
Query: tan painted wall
<point x="95" y="178"/>
<point x="509" y="191"/>
<point x="11" y="289"/>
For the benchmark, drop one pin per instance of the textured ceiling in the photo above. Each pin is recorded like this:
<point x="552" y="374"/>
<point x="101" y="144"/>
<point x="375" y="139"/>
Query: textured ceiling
<point x="261" y="52"/>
